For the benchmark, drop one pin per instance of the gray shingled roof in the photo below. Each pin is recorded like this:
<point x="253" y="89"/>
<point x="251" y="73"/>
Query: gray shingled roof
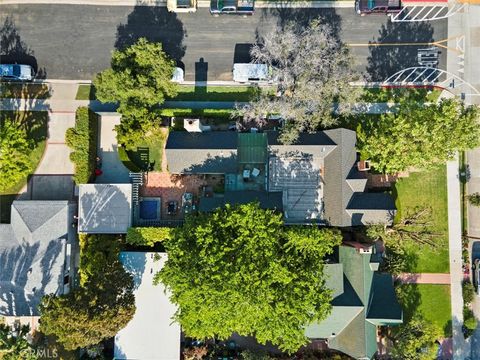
<point x="202" y="153"/>
<point x="338" y="198"/>
<point x="32" y="255"/>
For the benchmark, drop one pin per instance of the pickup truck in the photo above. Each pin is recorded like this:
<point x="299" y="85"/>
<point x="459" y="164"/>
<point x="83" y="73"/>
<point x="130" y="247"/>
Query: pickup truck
<point x="363" y="7"/>
<point x="232" y="7"/>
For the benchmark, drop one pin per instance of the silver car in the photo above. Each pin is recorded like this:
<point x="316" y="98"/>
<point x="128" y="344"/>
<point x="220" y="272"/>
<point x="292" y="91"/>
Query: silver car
<point x="16" y="72"/>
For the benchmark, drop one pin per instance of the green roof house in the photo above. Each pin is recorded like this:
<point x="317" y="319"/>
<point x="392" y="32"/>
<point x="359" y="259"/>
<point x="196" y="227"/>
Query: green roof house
<point x="363" y="299"/>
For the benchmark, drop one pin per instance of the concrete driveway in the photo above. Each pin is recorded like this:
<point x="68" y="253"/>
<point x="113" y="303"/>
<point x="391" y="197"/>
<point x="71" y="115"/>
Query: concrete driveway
<point x="114" y="172"/>
<point x="56" y="157"/>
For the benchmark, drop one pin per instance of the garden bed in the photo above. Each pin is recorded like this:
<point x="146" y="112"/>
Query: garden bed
<point x="148" y="150"/>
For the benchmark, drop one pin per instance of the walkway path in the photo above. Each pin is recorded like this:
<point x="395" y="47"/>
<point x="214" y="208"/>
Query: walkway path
<point x="460" y="347"/>
<point x="423" y="278"/>
<point x="62" y="105"/>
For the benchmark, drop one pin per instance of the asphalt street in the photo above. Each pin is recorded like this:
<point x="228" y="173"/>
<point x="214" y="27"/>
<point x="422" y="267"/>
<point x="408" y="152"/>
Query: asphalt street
<point x="75" y="42"/>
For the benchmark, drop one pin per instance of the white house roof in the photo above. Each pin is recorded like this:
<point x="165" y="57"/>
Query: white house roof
<point x="104" y="208"/>
<point x="151" y="334"/>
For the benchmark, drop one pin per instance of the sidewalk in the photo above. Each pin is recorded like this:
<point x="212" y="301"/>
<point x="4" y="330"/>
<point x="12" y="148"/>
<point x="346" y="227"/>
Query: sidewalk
<point x="423" y="278"/>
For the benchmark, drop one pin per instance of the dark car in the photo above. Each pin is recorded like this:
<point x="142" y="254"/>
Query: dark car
<point x="476" y="276"/>
<point x="364" y="7"/>
<point x="16" y="72"/>
<point x="172" y="207"/>
<point x="233" y="7"/>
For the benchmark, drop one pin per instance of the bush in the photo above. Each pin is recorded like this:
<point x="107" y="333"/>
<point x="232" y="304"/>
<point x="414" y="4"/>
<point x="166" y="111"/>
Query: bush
<point x="474" y="199"/>
<point x="468" y="292"/>
<point x="469" y="322"/>
<point x="82" y="139"/>
<point x="255" y="355"/>
<point x="209" y="113"/>
<point x="147" y="236"/>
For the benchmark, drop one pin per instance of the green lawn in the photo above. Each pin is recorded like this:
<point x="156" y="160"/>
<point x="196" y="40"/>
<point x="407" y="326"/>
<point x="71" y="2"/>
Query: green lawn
<point x="420" y="190"/>
<point x="24" y="91"/>
<point x="433" y="301"/>
<point x="217" y="93"/>
<point x="193" y="93"/>
<point x="85" y="92"/>
<point x="36" y="125"/>
<point x="149" y="150"/>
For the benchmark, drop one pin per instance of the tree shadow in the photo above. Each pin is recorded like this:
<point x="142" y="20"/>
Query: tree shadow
<point x="409" y="298"/>
<point x="14" y="50"/>
<point x="302" y="18"/>
<point x="385" y="61"/>
<point x="155" y="24"/>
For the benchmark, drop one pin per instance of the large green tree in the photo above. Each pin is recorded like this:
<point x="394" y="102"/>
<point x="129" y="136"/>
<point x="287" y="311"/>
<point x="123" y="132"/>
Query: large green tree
<point x="14" y="150"/>
<point x="419" y="135"/>
<point x="102" y="305"/>
<point x="415" y="340"/>
<point x="240" y="270"/>
<point x="140" y="80"/>
<point x="313" y="70"/>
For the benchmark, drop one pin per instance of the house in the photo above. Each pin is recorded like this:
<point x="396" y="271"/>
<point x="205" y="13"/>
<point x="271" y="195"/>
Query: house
<point x="151" y="334"/>
<point x="363" y="299"/>
<point x="317" y="177"/>
<point x="34" y="257"/>
<point x="104" y="208"/>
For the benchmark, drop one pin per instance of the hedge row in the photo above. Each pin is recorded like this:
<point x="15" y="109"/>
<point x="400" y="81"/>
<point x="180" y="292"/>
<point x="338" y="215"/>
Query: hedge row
<point x="82" y="139"/>
<point x="147" y="236"/>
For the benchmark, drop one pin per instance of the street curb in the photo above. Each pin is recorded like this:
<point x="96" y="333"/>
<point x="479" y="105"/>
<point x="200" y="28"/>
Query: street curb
<point x="201" y="3"/>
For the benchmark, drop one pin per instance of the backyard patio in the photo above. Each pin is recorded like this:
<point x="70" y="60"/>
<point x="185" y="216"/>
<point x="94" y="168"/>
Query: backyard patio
<point x="171" y="187"/>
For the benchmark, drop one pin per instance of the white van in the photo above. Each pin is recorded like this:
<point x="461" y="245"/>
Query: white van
<point x="251" y="73"/>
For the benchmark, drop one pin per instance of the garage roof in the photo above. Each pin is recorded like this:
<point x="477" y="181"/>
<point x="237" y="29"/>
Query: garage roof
<point x="104" y="208"/>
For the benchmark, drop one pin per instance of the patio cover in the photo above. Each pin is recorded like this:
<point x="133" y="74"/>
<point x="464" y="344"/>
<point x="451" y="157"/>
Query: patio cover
<point x="252" y="148"/>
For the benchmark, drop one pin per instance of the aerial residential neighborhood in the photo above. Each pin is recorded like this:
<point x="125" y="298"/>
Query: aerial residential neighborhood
<point x="239" y="179"/>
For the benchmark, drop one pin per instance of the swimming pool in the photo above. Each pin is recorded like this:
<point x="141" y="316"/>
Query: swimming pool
<point x="150" y="209"/>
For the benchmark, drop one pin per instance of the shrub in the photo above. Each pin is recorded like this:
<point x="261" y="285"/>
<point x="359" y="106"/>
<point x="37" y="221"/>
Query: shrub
<point x="208" y="113"/>
<point x="147" y="236"/>
<point x="469" y="322"/>
<point x="474" y="199"/>
<point x="468" y="292"/>
<point x="82" y="139"/>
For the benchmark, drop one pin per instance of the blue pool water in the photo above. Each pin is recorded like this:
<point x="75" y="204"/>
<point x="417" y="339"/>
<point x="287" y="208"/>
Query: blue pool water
<point x="148" y="209"/>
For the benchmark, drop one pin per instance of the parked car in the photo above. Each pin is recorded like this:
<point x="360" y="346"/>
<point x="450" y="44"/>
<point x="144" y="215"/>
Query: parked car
<point x="251" y="73"/>
<point x="172" y="207"/>
<point x="476" y="276"/>
<point x="182" y="6"/>
<point x="232" y="7"/>
<point x="363" y="7"/>
<point x="16" y="72"/>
